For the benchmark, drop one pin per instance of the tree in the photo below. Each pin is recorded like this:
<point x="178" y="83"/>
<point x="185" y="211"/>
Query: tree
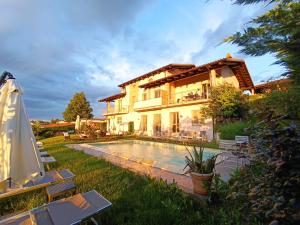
<point x="226" y="102"/>
<point x="78" y="106"/>
<point x="276" y="32"/>
<point x="36" y="128"/>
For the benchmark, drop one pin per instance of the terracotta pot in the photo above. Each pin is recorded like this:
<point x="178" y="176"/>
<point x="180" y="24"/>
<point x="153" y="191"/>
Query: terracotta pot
<point x="201" y="182"/>
<point x="3" y="186"/>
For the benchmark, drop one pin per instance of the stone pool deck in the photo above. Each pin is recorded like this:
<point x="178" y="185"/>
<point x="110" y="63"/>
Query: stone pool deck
<point x="184" y="182"/>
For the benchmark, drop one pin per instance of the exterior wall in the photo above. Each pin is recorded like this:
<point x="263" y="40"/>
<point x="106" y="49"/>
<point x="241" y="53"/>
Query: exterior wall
<point x="185" y="121"/>
<point x="134" y="100"/>
<point x="228" y="77"/>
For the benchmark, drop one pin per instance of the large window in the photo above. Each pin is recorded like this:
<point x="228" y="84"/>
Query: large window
<point x="144" y="123"/>
<point x="197" y="118"/>
<point x="157" y="123"/>
<point x="175" y="122"/>
<point x="157" y="93"/>
<point x="119" y="120"/>
<point x="144" y="96"/>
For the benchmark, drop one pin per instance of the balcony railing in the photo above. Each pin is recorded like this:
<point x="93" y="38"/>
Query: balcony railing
<point x="116" y="110"/>
<point x="187" y="96"/>
<point x="152" y="102"/>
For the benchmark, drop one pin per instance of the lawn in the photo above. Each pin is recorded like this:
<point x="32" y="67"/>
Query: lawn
<point x="136" y="199"/>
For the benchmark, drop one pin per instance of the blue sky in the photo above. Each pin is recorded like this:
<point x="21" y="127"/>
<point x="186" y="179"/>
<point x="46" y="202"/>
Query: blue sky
<point x="56" y="48"/>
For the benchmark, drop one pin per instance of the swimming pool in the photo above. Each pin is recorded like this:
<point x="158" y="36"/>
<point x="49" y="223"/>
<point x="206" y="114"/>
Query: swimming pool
<point x="162" y="155"/>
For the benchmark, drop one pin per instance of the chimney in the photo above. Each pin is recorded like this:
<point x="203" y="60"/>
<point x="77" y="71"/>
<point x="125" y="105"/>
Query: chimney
<point x="228" y="56"/>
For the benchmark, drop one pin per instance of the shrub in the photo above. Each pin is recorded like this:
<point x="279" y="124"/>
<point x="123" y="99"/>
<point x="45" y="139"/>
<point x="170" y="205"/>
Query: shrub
<point x="52" y="131"/>
<point x="230" y="130"/>
<point x="279" y="102"/>
<point x="269" y="189"/>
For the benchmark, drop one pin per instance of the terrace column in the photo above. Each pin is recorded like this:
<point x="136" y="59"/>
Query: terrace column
<point x="212" y="78"/>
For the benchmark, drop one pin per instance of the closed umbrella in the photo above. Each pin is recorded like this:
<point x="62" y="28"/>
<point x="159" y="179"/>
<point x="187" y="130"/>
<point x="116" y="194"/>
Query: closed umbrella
<point x="77" y="123"/>
<point x="19" y="158"/>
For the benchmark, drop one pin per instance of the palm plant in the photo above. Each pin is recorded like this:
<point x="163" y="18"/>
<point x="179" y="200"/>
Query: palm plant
<point x="196" y="162"/>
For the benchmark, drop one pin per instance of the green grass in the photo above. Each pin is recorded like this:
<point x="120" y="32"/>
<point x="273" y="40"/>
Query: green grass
<point x="230" y="130"/>
<point x="136" y="199"/>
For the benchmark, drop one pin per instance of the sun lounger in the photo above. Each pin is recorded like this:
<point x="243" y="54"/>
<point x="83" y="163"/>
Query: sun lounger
<point x="71" y="210"/>
<point x="48" y="160"/>
<point x="50" y="178"/>
<point x="44" y="154"/>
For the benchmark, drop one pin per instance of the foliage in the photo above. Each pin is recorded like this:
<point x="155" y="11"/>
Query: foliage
<point x="54" y="120"/>
<point x="196" y="162"/>
<point x="90" y="130"/>
<point x="275" y="32"/>
<point x="226" y="102"/>
<point x="269" y="189"/>
<point x="136" y="199"/>
<point x="52" y="131"/>
<point x="36" y="127"/>
<point x="278" y="102"/>
<point x="78" y="106"/>
<point x="230" y="130"/>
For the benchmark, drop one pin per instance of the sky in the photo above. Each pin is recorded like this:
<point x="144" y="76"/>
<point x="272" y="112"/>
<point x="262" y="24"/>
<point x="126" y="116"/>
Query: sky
<point x="55" y="48"/>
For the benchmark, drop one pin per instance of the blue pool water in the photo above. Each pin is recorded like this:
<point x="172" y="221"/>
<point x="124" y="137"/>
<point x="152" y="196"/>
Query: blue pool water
<point x="163" y="155"/>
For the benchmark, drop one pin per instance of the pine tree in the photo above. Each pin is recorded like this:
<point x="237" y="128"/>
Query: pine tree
<point x="78" y="106"/>
<point x="276" y="32"/>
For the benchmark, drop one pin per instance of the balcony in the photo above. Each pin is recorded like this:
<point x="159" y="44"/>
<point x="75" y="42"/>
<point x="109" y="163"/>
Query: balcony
<point x="188" y="97"/>
<point x="148" y="103"/>
<point x="151" y="102"/>
<point x="115" y="111"/>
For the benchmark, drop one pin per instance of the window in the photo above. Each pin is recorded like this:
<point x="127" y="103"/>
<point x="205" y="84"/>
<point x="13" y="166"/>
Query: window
<point x="157" y="93"/>
<point x="157" y="123"/>
<point x="204" y="91"/>
<point x="197" y="118"/>
<point x="175" y="122"/>
<point x="144" y="123"/>
<point x="144" y="97"/>
<point x="119" y="120"/>
<point x="120" y="105"/>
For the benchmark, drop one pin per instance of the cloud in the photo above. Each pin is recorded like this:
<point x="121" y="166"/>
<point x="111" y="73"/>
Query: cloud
<point x="46" y="45"/>
<point x="56" y="48"/>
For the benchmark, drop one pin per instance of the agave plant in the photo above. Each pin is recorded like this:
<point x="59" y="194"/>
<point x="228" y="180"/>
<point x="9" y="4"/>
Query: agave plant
<point x="196" y="162"/>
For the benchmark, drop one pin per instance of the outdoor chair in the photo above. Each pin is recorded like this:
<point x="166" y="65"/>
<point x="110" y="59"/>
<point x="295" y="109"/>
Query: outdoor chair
<point x="66" y="136"/>
<point x="242" y="142"/>
<point x="50" y="178"/>
<point x="71" y="210"/>
<point x="228" y="145"/>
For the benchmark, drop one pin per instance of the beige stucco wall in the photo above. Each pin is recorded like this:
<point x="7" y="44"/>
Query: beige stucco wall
<point x="169" y="89"/>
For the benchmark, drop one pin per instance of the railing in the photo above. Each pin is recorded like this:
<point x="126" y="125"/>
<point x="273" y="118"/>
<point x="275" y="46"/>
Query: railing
<point x="187" y="96"/>
<point x="151" y="102"/>
<point x="116" y="110"/>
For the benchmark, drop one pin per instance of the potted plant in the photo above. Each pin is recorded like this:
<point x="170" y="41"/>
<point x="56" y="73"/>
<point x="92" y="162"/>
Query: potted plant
<point x="200" y="170"/>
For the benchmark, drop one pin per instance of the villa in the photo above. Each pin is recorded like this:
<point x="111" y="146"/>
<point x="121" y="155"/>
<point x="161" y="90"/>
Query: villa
<point x="167" y="101"/>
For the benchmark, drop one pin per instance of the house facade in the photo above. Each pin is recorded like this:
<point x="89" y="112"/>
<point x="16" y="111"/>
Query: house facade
<point x="168" y="100"/>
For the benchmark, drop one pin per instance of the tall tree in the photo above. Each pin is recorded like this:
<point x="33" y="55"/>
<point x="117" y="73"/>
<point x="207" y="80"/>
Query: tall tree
<point x="276" y="32"/>
<point x="78" y="106"/>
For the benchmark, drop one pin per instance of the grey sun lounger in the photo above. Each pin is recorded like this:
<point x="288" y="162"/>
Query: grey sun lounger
<point x="48" y="159"/>
<point x="71" y="210"/>
<point x="44" y="154"/>
<point x="50" y="178"/>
